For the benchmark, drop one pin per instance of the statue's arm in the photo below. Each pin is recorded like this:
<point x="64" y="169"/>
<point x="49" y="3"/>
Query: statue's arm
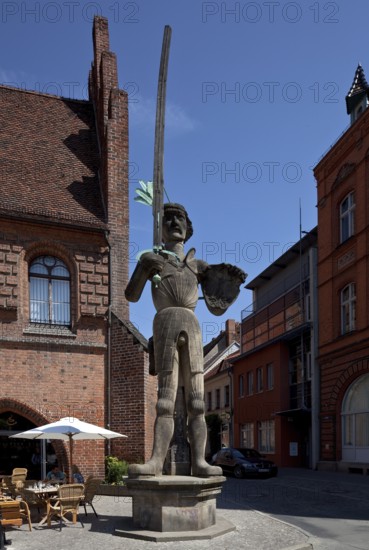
<point x="202" y="268"/>
<point x="147" y="266"/>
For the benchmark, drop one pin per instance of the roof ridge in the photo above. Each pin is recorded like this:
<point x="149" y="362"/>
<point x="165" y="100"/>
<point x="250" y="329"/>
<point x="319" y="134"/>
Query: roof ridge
<point x="129" y="326"/>
<point x="43" y="94"/>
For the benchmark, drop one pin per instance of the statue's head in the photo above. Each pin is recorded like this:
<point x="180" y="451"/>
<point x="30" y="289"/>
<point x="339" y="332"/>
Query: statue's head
<point x="177" y="226"/>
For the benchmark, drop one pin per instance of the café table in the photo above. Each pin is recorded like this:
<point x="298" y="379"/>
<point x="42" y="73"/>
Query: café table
<point x="43" y="494"/>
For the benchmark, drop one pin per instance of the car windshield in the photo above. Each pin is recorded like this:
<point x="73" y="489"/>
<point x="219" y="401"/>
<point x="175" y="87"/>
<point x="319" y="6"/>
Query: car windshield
<point x="248" y="453"/>
<point x="238" y="454"/>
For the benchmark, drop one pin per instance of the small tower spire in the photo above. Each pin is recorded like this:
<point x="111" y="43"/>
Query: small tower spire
<point x="358" y="95"/>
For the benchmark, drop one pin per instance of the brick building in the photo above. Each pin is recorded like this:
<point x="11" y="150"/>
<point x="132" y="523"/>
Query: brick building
<point x="274" y="377"/>
<point x="67" y="346"/>
<point x="343" y="272"/>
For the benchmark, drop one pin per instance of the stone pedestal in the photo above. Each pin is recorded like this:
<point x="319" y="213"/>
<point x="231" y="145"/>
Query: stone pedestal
<point x="178" y="507"/>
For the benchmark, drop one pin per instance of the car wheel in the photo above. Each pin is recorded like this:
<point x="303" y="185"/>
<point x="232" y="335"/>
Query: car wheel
<point x="238" y="472"/>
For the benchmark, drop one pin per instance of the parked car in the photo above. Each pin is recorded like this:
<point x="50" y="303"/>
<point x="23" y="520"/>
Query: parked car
<point x="244" y="462"/>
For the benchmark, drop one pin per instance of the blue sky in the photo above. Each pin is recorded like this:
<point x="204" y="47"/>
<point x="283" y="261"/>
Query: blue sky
<point x="256" y="94"/>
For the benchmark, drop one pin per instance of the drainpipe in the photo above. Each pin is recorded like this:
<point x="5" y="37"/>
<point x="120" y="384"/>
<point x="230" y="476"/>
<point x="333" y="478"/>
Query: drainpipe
<point x="108" y="367"/>
<point x="230" y="374"/>
<point x="315" y="377"/>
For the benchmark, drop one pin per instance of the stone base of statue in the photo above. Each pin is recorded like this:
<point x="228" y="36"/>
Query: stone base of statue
<point x="168" y="508"/>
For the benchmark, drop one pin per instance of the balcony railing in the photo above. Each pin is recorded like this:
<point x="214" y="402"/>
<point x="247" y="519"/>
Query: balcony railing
<point x="286" y="314"/>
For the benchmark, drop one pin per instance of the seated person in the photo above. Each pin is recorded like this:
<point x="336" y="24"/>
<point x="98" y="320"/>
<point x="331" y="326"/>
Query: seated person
<point x="77" y="476"/>
<point x="56" y="475"/>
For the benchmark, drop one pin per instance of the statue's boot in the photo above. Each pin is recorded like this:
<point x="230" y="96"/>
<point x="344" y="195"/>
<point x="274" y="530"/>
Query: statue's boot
<point x="197" y="433"/>
<point x="162" y="436"/>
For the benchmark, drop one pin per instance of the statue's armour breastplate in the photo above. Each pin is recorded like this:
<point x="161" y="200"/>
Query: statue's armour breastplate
<point x="177" y="288"/>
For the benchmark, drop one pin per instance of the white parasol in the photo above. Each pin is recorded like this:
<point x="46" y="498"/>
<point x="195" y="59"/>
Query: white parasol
<point x="68" y="429"/>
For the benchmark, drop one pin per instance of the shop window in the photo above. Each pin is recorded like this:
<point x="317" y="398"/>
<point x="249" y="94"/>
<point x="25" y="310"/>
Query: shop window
<point x="49" y="290"/>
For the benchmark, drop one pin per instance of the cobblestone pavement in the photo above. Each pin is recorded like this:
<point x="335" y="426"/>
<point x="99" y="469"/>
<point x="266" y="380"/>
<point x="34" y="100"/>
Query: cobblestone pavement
<point x="299" y="509"/>
<point x="254" y="530"/>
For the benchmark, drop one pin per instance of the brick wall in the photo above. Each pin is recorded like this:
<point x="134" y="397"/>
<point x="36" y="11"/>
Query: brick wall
<point x="46" y="374"/>
<point x="133" y="395"/>
<point x="342" y="357"/>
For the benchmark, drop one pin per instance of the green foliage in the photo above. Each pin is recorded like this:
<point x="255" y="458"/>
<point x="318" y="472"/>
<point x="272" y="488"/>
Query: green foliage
<point x="115" y="469"/>
<point x="145" y="194"/>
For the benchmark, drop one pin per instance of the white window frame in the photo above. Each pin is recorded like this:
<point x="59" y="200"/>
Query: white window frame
<point x="347" y="217"/>
<point x="266" y="436"/>
<point x="355" y="421"/>
<point x="348" y="308"/>
<point x="49" y="291"/>
<point x="247" y="435"/>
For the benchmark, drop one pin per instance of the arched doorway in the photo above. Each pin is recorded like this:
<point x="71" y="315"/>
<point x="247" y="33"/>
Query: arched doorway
<point x="22" y="453"/>
<point x="14" y="453"/>
<point x="355" y="421"/>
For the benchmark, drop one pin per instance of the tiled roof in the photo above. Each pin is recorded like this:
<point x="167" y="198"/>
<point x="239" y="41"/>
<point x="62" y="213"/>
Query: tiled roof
<point x="221" y="365"/>
<point x="49" y="158"/>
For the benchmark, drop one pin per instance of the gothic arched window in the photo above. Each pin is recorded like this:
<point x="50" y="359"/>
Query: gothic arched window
<point x="49" y="284"/>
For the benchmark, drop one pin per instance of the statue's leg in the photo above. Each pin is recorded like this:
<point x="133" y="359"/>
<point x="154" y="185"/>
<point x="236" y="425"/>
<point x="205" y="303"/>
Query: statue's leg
<point x="164" y="424"/>
<point x="197" y="430"/>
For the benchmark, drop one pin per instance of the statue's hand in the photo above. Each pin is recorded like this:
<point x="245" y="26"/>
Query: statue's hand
<point x="152" y="263"/>
<point x="237" y="272"/>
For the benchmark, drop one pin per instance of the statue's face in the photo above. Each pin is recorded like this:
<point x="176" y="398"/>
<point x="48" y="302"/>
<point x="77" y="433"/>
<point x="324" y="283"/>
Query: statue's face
<point x="174" y="226"/>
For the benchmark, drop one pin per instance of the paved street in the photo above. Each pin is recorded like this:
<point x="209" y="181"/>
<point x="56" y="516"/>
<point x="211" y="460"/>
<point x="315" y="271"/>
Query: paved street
<point x="332" y="507"/>
<point x="298" y="508"/>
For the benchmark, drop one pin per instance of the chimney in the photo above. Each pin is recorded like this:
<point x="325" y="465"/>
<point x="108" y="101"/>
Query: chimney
<point x="111" y="115"/>
<point x="231" y="331"/>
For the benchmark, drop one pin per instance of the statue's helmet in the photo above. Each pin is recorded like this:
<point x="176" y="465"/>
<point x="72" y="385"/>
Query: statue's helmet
<point x="175" y="207"/>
